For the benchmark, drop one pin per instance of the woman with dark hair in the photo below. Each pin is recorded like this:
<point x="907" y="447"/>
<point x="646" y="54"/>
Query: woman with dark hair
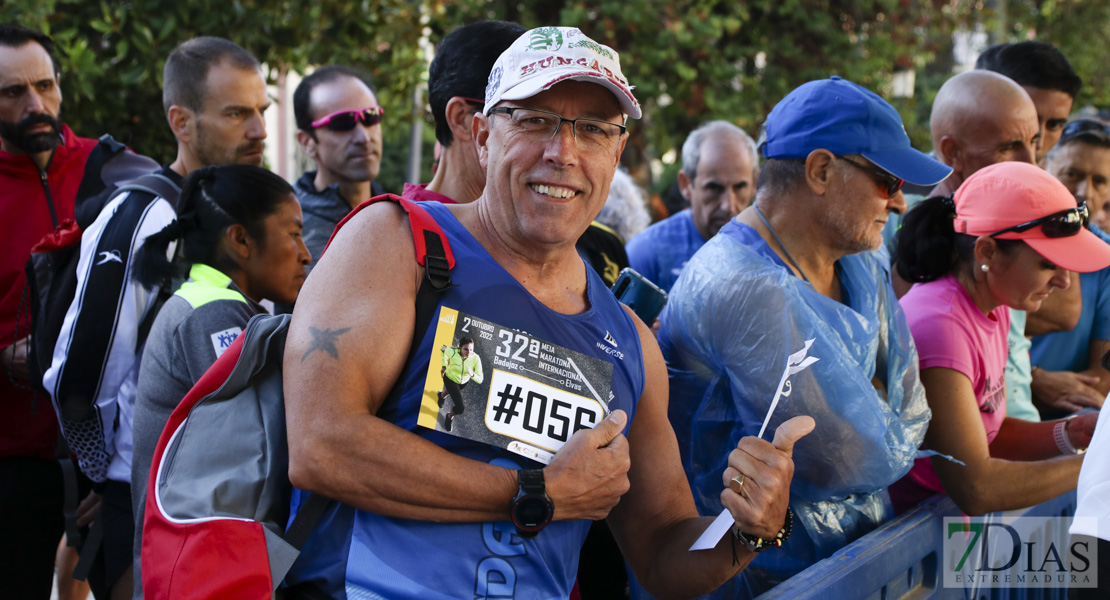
<point x="1007" y="238"/>
<point x="239" y="235"/>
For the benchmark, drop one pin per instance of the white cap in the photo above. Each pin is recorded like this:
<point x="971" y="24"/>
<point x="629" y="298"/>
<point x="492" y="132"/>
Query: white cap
<point x="542" y="57"/>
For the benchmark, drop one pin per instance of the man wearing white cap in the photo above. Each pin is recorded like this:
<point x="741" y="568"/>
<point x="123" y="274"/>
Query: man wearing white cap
<point x="797" y="277"/>
<point x="571" y="417"/>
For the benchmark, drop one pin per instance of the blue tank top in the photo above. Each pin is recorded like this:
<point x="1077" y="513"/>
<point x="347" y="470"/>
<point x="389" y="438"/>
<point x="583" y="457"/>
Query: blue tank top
<point x="399" y="558"/>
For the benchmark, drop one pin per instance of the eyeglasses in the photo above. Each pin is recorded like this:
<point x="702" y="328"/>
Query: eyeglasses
<point x="1086" y="126"/>
<point x="345" y="120"/>
<point x="888" y="184"/>
<point x="1065" y="223"/>
<point x="592" y="134"/>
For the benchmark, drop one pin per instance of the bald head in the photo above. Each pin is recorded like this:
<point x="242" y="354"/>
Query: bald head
<point x="981" y="118"/>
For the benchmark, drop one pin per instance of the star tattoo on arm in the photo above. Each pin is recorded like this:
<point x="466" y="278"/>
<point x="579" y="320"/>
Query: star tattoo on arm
<point x="324" y="340"/>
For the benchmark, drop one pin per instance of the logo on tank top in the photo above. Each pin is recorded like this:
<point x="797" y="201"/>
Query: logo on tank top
<point x="495" y="575"/>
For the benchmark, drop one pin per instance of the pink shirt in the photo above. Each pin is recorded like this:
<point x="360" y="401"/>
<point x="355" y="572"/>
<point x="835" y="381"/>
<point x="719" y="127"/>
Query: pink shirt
<point x="951" y="332"/>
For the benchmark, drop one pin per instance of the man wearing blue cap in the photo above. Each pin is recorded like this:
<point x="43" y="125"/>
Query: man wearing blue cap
<point x="802" y="272"/>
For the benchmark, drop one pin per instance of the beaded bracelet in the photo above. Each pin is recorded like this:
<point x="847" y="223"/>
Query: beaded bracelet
<point x="758" y="544"/>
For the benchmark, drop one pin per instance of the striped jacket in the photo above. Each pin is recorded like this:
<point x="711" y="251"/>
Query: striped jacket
<point x="97" y="354"/>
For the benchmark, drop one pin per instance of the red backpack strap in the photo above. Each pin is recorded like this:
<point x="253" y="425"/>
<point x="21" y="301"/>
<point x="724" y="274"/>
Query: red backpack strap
<point x="421" y="223"/>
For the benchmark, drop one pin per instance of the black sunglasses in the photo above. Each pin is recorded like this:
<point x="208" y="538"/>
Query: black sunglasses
<point x="345" y="120"/>
<point x="1065" y="223"/>
<point x="888" y="184"/>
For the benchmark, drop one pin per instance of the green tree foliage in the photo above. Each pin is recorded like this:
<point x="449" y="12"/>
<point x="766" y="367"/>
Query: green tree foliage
<point x="696" y="60"/>
<point x="691" y="60"/>
<point x="1078" y="28"/>
<point x="113" y="52"/>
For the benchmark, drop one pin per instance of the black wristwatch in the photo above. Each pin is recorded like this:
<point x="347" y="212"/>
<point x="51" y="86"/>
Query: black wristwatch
<point x="532" y="508"/>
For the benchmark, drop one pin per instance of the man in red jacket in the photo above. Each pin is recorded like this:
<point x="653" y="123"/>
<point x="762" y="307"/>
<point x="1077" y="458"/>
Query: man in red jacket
<point x="43" y="165"/>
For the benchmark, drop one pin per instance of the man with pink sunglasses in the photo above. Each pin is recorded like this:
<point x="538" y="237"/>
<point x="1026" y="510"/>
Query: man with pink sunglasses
<point x="339" y="127"/>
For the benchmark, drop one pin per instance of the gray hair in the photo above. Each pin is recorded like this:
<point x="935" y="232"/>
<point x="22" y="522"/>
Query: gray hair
<point x="779" y="177"/>
<point x="625" y="210"/>
<point x="691" y="148"/>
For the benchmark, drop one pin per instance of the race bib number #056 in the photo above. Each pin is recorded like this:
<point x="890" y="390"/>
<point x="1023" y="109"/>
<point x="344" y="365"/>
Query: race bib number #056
<point x="503" y="387"/>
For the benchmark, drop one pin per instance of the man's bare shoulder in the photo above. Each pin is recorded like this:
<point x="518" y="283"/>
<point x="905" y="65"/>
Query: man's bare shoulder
<point x="367" y="277"/>
<point x="375" y="243"/>
<point x="365" y="283"/>
<point x="372" y="225"/>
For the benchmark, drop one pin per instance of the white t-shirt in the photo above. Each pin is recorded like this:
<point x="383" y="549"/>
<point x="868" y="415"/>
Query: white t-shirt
<point x="1094" y="484"/>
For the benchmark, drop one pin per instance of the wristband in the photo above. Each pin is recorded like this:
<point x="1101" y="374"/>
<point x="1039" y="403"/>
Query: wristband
<point x="1063" y="442"/>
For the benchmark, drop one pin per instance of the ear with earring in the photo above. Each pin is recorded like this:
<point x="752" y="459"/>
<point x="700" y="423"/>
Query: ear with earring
<point x="984" y="268"/>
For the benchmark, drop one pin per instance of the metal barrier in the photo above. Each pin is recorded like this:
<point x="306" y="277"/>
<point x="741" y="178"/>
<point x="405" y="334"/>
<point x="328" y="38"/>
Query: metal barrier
<point x="903" y="560"/>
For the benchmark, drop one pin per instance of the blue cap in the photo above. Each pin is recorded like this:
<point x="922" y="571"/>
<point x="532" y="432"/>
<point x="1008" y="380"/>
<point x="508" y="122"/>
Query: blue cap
<point x="844" y="118"/>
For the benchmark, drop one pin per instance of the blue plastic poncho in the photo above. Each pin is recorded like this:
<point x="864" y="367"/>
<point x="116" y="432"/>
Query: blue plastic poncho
<point x="734" y="317"/>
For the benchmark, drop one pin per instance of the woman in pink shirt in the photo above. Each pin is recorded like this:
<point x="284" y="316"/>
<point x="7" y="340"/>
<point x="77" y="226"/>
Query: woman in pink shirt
<point x="1007" y="238"/>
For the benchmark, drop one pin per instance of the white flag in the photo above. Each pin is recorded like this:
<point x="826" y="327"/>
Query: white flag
<point x="794" y="363"/>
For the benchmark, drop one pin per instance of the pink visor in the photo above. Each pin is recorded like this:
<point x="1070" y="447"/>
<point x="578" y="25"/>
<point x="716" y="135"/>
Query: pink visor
<point x="1020" y="201"/>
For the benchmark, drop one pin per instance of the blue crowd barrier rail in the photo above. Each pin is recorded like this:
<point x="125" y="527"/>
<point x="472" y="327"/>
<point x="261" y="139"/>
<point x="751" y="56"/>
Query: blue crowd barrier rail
<point x="903" y="560"/>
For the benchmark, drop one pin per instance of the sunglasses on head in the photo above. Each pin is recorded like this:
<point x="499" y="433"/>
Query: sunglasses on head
<point x="345" y="120"/>
<point x="1086" y="126"/>
<point x="1065" y="223"/>
<point x="888" y="184"/>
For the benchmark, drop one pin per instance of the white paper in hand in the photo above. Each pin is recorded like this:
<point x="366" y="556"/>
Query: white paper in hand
<point x="794" y="363"/>
<point x="713" y="534"/>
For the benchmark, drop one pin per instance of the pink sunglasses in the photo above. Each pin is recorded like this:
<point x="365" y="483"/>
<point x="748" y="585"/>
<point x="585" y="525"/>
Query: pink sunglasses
<point x="345" y="120"/>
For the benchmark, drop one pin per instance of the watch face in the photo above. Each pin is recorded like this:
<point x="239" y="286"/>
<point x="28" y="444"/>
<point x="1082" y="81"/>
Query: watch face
<point x="532" y="512"/>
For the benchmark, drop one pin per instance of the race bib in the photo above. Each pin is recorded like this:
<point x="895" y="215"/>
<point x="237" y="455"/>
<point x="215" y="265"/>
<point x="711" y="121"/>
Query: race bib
<point x="506" y="388"/>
